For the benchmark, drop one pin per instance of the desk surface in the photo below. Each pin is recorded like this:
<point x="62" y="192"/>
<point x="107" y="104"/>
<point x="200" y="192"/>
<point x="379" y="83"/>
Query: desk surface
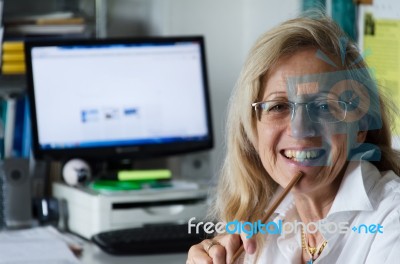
<point x="94" y="255"/>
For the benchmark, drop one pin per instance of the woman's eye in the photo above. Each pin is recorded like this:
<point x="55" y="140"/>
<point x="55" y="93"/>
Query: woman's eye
<point x="321" y="106"/>
<point x="279" y="107"/>
<point x="324" y="107"/>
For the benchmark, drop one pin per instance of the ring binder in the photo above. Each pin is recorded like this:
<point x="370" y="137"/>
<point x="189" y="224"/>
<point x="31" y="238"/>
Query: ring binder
<point x="2" y="196"/>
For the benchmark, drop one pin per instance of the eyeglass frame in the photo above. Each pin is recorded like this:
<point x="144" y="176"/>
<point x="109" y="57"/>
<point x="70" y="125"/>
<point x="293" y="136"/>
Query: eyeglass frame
<point x="294" y="107"/>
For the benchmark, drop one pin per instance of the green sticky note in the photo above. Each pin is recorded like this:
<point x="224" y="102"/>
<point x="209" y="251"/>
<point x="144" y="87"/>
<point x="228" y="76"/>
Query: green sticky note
<point x="135" y="175"/>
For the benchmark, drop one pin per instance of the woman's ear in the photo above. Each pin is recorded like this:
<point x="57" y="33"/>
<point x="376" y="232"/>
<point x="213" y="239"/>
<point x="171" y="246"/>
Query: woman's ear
<point x="363" y="130"/>
<point x="361" y="136"/>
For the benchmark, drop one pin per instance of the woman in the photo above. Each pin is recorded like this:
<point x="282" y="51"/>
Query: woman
<point x="305" y="101"/>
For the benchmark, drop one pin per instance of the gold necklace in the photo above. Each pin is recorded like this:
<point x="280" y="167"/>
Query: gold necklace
<point x="313" y="252"/>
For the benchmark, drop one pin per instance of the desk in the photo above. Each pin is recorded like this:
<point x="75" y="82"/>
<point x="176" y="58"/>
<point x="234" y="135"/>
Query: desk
<point x="94" y="255"/>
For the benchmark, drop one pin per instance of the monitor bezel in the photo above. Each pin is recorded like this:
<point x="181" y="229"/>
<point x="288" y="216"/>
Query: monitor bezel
<point x="117" y="152"/>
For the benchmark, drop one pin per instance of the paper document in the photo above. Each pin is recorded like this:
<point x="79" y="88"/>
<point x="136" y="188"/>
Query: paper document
<point x="34" y="246"/>
<point x="381" y="45"/>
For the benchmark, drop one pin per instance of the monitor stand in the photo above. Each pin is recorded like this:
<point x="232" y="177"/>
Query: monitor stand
<point x="106" y="166"/>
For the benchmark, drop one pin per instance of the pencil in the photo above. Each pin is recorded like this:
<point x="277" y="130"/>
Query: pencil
<point x="271" y="210"/>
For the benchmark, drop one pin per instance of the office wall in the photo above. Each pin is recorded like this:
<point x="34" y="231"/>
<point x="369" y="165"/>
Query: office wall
<point x="230" y="28"/>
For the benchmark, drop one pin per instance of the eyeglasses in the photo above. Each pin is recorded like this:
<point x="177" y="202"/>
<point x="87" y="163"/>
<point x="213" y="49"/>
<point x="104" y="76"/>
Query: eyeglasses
<point x="319" y="111"/>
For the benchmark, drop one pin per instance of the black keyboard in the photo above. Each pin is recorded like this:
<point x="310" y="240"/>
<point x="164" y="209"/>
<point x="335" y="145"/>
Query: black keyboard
<point x="150" y="239"/>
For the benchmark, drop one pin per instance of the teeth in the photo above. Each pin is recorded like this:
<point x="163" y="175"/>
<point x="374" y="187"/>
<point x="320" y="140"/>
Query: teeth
<point x="301" y="155"/>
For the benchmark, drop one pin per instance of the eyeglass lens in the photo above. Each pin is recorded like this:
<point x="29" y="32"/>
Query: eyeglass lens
<point x="321" y="111"/>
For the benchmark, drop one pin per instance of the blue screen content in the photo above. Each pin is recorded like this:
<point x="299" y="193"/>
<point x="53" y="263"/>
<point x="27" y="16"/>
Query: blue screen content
<point x="105" y="95"/>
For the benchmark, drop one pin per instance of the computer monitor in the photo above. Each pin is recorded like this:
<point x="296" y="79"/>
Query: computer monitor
<point x="118" y="98"/>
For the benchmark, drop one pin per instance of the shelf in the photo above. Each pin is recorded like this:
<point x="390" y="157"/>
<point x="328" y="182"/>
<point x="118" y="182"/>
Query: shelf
<point x="23" y="19"/>
<point x="93" y="11"/>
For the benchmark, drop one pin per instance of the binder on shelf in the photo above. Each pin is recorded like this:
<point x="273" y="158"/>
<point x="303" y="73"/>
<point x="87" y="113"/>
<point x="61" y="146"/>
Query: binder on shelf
<point x="13" y="46"/>
<point x="13" y="68"/>
<point x="26" y="131"/>
<point x="15" y="117"/>
<point x="21" y="138"/>
<point x="9" y="127"/>
<point x="3" y="116"/>
<point x="13" y="57"/>
<point x="2" y="207"/>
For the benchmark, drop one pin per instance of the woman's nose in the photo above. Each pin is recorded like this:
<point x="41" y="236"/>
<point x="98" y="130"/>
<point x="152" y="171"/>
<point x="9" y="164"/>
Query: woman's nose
<point x="301" y="126"/>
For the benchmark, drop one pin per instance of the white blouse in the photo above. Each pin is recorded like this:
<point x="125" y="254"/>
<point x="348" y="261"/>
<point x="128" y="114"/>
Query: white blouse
<point x="366" y="196"/>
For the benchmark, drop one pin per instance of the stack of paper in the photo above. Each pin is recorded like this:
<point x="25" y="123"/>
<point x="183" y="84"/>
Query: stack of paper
<point x="34" y="246"/>
<point x="46" y="24"/>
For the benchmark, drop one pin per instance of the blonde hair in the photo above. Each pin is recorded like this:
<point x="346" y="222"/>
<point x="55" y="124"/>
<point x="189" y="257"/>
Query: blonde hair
<point x="245" y="188"/>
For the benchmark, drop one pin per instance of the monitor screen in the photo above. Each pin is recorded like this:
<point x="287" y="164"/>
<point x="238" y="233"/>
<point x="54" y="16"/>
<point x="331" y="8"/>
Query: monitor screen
<point x="118" y="98"/>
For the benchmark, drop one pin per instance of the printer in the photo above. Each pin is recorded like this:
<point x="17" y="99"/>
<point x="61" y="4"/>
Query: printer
<point x="92" y="211"/>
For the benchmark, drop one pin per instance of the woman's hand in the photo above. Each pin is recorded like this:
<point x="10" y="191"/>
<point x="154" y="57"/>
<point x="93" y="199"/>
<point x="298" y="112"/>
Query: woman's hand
<point x="220" y="249"/>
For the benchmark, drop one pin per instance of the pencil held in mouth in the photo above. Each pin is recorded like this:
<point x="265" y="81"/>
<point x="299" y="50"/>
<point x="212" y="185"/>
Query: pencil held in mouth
<point x="273" y="207"/>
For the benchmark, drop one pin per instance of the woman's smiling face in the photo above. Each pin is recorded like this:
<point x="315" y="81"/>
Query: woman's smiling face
<point x="287" y="146"/>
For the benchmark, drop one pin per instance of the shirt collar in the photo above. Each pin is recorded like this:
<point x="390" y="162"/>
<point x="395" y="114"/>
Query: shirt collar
<point x="359" y="178"/>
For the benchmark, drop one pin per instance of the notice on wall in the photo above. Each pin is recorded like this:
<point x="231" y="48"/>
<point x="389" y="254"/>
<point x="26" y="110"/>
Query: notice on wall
<point x="382" y="53"/>
<point x="379" y="38"/>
